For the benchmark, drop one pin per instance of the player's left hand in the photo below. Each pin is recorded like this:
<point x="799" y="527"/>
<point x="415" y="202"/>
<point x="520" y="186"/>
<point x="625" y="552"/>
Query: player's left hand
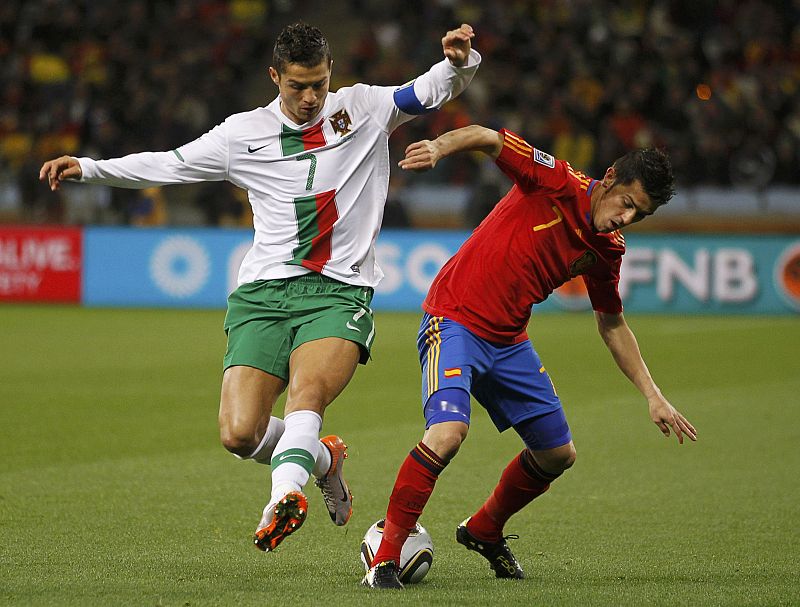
<point x="665" y="416"/>
<point x="456" y="44"/>
<point x="420" y="156"/>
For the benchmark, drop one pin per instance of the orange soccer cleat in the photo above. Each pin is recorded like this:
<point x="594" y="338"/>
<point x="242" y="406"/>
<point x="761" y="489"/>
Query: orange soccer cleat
<point x="287" y="517"/>
<point x="335" y="491"/>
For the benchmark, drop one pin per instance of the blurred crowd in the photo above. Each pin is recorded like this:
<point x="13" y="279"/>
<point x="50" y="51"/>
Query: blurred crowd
<point x="715" y="83"/>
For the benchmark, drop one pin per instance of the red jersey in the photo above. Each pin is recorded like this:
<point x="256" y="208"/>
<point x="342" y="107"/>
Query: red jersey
<point x="538" y="237"/>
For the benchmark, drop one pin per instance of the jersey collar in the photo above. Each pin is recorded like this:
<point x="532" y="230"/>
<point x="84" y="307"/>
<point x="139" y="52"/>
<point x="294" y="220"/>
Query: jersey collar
<point x="275" y="107"/>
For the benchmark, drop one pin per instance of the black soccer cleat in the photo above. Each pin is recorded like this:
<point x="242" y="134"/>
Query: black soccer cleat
<point x="501" y="559"/>
<point x="384" y="576"/>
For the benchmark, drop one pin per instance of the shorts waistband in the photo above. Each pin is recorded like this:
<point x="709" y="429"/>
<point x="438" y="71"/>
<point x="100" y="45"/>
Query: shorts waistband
<point x="313" y="278"/>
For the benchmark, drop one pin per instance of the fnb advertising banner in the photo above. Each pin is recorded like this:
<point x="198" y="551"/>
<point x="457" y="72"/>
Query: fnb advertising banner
<point x="40" y="264"/>
<point x="664" y="273"/>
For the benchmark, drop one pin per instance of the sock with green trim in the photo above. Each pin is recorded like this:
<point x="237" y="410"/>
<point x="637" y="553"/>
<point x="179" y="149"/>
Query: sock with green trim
<point x="263" y="453"/>
<point x="295" y="453"/>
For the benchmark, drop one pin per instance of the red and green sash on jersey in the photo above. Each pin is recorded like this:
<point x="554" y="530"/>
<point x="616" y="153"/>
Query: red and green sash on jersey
<point x="293" y="142"/>
<point x="316" y="213"/>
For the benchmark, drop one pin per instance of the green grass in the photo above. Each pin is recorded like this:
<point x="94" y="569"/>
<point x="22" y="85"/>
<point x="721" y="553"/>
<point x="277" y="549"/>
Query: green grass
<point x="115" y="491"/>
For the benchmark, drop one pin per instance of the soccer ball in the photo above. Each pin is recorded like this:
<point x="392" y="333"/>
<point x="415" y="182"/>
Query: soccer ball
<point x="415" y="559"/>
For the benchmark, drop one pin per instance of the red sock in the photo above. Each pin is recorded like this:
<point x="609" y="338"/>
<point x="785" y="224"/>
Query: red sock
<point x="521" y="482"/>
<point x="413" y="487"/>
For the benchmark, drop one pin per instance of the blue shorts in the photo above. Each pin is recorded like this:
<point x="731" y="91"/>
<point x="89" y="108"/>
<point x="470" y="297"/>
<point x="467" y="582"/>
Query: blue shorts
<point x="509" y="381"/>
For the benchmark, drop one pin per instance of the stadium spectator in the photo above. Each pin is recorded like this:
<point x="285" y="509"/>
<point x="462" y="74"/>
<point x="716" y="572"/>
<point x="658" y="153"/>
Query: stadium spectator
<point x="553" y="225"/>
<point x="156" y="68"/>
<point x="316" y="168"/>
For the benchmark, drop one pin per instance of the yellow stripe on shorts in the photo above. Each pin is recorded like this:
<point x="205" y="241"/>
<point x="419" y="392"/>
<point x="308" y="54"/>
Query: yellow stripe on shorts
<point x="434" y="342"/>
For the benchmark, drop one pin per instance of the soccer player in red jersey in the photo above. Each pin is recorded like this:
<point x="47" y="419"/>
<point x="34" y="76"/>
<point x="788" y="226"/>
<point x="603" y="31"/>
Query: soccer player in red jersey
<point x="553" y="225"/>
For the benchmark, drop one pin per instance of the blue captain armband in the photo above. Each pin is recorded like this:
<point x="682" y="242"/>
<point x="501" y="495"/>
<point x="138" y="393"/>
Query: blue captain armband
<point x="406" y="100"/>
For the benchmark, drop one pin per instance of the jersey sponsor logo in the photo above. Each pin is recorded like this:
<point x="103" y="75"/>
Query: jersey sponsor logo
<point x="251" y="149"/>
<point x="583" y="263"/>
<point x="341" y="122"/>
<point x="454" y="372"/>
<point x="544" y="159"/>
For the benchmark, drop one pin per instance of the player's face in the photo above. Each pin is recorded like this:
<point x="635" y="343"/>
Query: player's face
<point x="617" y="206"/>
<point x="302" y="89"/>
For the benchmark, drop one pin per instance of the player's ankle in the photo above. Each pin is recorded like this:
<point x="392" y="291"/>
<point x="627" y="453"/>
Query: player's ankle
<point x="484" y="529"/>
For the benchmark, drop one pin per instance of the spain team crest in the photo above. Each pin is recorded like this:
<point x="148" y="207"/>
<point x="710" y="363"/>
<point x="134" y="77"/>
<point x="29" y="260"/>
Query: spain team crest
<point x="341" y="122"/>
<point x="583" y="263"/>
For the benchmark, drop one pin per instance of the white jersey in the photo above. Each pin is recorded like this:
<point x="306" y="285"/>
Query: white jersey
<point x="318" y="189"/>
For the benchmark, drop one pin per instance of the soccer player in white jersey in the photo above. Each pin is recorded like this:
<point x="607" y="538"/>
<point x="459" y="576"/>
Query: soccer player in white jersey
<point x="315" y="165"/>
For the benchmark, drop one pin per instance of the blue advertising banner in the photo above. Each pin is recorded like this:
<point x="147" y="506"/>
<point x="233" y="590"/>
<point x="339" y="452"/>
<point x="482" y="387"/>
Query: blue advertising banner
<point x="192" y="268"/>
<point x="712" y="274"/>
<point x="660" y="273"/>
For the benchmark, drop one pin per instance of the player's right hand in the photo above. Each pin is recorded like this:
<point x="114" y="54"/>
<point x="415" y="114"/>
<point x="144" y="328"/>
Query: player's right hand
<point x="456" y="44"/>
<point x="665" y="416"/>
<point x="59" y="169"/>
<point x="420" y="156"/>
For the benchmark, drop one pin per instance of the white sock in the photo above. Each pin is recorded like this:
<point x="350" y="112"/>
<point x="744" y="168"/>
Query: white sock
<point x="295" y="454"/>
<point x="322" y="463"/>
<point x="263" y="453"/>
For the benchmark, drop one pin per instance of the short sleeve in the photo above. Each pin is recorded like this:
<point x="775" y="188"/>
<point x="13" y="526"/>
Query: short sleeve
<point x="603" y="288"/>
<point x="529" y="167"/>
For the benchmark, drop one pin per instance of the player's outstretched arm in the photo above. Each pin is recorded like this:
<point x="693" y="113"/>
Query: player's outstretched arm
<point x="57" y="170"/>
<point x="621" y="341"/>
<point x="456" y="44"/>
<point x="423" y="155"/>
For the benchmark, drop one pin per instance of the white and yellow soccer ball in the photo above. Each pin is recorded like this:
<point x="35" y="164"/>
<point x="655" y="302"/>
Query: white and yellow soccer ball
<point x="416" y="557"/>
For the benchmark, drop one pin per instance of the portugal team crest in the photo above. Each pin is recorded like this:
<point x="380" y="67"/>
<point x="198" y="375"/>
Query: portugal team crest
<point x="341" y="122"/>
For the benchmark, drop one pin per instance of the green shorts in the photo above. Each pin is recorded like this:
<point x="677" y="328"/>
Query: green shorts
<point x="268" y="319"/>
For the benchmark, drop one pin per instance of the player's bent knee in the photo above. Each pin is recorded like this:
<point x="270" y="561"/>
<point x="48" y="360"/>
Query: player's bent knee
<point x="556" y="460"/>
<point x="569" y="457"/>
<point x="445" y="438"/>
<point x="236" y="441"/>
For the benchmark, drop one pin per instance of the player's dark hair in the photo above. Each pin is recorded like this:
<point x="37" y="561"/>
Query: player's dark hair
<point x="300" y="43"/>
<point x="652" y="167"/>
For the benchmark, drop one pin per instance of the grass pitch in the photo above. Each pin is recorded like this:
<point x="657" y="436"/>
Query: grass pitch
<point x="115" y="491"/>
